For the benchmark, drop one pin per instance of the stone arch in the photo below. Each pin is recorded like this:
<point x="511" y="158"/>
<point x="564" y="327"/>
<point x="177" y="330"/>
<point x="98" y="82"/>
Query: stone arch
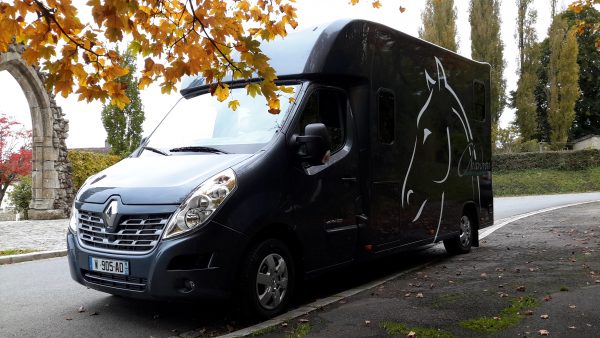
<point x="51" y="170"/>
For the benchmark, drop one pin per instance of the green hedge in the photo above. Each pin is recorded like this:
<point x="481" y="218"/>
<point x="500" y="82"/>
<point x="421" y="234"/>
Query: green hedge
<point x="86" y="163"/>
<point x="561" y="160"/>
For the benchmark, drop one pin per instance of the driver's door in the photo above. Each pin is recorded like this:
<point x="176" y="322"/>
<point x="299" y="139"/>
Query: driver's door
<point x="325" y="198"/>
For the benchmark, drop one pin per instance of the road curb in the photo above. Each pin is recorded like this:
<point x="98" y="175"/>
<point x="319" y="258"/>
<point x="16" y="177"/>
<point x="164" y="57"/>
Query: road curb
<point x="33" y="256"/>
<point x="319" y="303"/>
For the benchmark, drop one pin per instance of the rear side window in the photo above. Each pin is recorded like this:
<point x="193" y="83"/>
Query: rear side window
<point x="479" y="101"/>
<point x="326" y="106"/>
<point x="386" y="114"/>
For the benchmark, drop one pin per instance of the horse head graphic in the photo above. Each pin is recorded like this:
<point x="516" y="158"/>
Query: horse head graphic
<point x="443" y="141"/>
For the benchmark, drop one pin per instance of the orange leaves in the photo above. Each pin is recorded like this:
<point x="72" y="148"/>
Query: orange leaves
<point x="233" y="104"/>
<point x="221" y="91"/>
<point x="274" y="106"/>
<point x="218" y="40"/>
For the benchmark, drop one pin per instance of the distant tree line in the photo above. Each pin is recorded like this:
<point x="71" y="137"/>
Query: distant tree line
<point x="556" y="100"/>
<point x="557" y="93"/>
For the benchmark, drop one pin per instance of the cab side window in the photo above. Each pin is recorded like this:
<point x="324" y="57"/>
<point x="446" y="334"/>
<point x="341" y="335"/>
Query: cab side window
<point x="326" y="106"/>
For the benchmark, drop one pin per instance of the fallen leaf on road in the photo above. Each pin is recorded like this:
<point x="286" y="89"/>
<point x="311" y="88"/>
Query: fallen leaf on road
<point x="451" y="282"/>
<point x="407" y="294"/>
<point x="547" y="298"/>
<point x="419" y="295"/>
<point x="572" y="306"/>
<point x="543" y="332"/>
<point x="412" y="334"/>
<point x="528" y="313"/>
<point x="544" y="316"/>
<point x="572" y="327"/>
<point x="367" y="322"/>
<point x="81" y="309"/>
<point x="68" y="318"/>
<point x="521" y="288"/>
<point x="502" y="295"/>
<point x="483" y="275"/>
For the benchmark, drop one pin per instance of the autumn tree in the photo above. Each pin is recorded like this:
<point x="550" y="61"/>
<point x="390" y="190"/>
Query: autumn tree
<point x="439" y="23"/>
<point x="124" y="125"/>
<point x="486" y="45"/>
<point x="525" y="104"/>
<point x="579" y="6"/>
<point x="563" y="76"/>
<point x="587" y="108"/>
<point x="216" y="39"/>
<point x="15" y="152"/>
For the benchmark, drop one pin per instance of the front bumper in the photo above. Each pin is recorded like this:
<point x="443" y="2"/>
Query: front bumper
<point x="208" y="258"/>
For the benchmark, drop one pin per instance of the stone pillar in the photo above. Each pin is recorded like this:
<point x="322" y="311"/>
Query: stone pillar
<point x="51" y="170"/>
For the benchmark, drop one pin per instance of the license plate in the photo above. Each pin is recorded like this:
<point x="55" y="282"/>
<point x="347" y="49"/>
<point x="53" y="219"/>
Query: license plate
<point x="109" y="266"/>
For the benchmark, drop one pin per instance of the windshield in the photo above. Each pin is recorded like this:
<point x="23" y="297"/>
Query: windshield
<point x="204" y="125"/>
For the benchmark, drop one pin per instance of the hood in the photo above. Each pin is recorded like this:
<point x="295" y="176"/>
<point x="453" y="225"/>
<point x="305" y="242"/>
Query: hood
<point x="156" y="179"/>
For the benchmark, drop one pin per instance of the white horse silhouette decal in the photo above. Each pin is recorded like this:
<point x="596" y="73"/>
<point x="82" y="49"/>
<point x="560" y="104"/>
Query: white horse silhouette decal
<point x="430" y="186"/>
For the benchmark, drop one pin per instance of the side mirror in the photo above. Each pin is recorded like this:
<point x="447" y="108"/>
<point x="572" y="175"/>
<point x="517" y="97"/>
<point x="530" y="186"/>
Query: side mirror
<point x="314" y="145"/>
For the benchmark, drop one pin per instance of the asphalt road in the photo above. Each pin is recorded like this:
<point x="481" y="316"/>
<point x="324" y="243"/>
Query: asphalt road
<point x="511" y="206"/>
<point x="39" y="299"/>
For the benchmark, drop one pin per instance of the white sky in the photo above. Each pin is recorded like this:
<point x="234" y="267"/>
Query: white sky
<point x="85" y="125"/>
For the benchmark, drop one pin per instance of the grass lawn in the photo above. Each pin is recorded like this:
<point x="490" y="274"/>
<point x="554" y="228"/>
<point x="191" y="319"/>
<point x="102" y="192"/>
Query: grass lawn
<point x="545" y="181"/>
<point x="15" y="251"/>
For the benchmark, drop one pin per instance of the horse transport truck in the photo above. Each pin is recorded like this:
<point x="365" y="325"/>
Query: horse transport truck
<point x="386" y="146"/>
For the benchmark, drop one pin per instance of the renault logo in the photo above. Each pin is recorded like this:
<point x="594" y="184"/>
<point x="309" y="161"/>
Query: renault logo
<point x="111" y="212"/>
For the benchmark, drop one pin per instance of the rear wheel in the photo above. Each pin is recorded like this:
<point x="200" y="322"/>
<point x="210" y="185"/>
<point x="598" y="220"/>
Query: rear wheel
<point x="267" y="279"/>
<point x="463" y="242"/>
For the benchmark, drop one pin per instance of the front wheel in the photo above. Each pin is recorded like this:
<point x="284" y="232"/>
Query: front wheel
<point x="267" y="279"/>
<point x="463" y="242"/>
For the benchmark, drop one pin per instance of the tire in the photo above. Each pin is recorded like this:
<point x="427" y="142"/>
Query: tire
<point x="267" y="280"/>
<point x="462" y="243"/>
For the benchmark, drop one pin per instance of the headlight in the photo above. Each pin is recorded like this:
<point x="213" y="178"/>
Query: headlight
<point x="73" y="220"/>
<point x="201" y="203"/>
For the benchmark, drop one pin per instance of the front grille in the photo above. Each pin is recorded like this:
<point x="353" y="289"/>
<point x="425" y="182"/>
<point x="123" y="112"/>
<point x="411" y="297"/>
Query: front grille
<point x="115" y="281"/>
<point x="136" y="234"/>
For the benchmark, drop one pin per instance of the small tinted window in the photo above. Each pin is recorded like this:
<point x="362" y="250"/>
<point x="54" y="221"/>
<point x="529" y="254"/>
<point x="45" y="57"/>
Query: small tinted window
<point x="479" y="100"/>
<point x="386" y="107"/>
<point x="326" y="106"/>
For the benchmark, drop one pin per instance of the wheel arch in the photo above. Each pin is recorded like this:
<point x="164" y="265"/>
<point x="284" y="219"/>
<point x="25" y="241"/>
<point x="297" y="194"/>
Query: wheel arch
<point x="283" y="232"/>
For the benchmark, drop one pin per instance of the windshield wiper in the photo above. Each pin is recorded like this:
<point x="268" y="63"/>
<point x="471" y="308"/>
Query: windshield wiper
<point x="200" y="149"/>
<point x="158" y="151"/>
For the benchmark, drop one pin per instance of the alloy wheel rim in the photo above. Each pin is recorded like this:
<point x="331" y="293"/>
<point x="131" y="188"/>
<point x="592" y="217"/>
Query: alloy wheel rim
<point x="465" y="231"/>
<point x="271" y="281"/>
